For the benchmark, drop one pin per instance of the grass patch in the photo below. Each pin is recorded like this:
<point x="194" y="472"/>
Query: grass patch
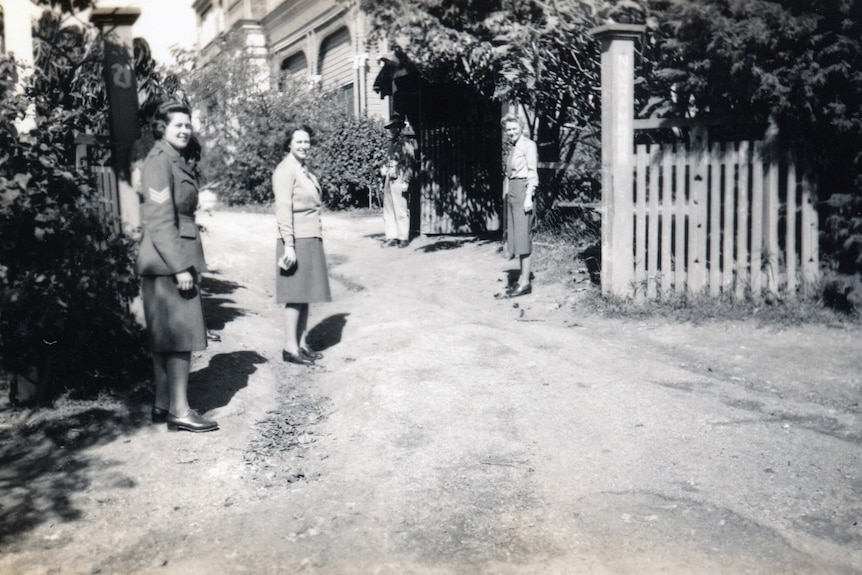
<point x="571" y="258"/>
<point x="701" y="308"/>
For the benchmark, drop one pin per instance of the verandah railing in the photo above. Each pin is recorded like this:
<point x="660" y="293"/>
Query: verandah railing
<point x="725" y="217"/>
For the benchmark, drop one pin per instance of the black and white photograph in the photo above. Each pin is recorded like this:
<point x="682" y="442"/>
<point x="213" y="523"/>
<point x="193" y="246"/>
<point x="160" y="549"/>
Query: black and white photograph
<point x="431" y="287"/>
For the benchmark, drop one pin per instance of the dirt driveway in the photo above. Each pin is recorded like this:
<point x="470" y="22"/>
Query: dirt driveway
<point x="448" y="432"/>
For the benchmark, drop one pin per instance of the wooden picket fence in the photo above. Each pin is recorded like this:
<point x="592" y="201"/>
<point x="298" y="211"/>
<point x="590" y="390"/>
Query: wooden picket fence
<point x="724" y="218"/>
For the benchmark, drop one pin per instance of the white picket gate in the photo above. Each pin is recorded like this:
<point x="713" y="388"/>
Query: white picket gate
<point x="723" y="218"/>
<point x="697" y="216"/>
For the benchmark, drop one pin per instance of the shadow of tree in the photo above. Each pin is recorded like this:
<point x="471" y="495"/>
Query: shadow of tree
<point x="41" y="465"/>
<point x="214" y="286"/>
<point x="217" y="310"/>
<point x="43" y="461"/>
<point x="443" y="243"/>
<point x="227" y="373"/>
<point x="328" y="332"/>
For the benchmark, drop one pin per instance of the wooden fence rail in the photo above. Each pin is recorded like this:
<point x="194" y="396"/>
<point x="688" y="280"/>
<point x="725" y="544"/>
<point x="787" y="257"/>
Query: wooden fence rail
<point x="723" y="218"/>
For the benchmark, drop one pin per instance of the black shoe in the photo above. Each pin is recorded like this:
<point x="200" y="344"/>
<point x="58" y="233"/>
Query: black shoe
<point x="403" y="243"/>
<point x="159" y="415"/>
<point x="524" y="290"/>
<point x="296" y="358"/>
<point x="191" y="422"/>
<point x="389" y="243"/>
<point x="309" y="353"/>
<point x="213" y="336"/>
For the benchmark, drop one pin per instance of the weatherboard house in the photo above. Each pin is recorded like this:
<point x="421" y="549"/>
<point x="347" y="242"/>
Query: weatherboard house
<point x="326" y="43"/>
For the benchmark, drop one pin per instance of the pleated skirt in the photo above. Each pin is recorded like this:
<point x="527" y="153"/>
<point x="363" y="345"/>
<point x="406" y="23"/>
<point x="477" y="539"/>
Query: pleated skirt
<point x="519" y="225"/>
<point x="308" y="280"/>
<point x="175" y="321"/>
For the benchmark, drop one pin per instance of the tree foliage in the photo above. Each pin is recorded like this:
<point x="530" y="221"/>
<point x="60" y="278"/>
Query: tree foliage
<point x="536" y="53"/>
<point x="66" y="274"/>
<point x="797" y="63"/>
<point x="242" y="123"/>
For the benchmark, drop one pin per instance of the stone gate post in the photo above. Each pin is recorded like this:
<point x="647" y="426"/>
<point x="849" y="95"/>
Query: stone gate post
<point x="617" y="45"/>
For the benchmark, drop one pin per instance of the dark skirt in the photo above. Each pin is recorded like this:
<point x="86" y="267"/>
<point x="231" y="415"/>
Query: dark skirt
<point x="308" y="280"/>
<point x="175" y="321"/>
<point x="519" y="225"/>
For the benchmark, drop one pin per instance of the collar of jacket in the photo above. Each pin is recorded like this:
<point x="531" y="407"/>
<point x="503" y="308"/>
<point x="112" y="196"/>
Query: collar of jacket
<point x="168" y="149"/>
<point x="175" y="156"/>
<point x="295" y="161"/>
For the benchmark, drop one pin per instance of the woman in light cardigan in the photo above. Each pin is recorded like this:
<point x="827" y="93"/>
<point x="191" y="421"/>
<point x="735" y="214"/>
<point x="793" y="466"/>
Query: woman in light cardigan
<point x="519" y="186"/>
<point x="302" y="276"/>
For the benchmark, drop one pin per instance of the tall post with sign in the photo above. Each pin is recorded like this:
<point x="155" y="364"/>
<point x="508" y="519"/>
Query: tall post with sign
<point x="116" y="27"/>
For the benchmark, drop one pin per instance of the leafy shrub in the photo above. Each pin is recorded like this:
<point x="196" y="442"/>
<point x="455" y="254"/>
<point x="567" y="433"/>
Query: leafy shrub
<point x="242" y="122"/>
<point x="348" y="155"/>
<point x="66" y="275"/>
<point x="843" y="233"/>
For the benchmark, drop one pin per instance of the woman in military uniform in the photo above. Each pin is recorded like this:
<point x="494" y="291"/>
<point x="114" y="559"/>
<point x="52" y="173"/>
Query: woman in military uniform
<point x="170" y="262"/>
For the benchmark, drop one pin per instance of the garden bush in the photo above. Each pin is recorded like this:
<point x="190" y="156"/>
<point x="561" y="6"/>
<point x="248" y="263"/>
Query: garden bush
<point x="66" y="272"/>
<point x="242" y="120"/>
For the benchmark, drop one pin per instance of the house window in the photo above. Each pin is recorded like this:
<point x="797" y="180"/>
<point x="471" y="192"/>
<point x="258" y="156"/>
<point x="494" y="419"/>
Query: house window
<point x="293" y="68"/>
<point x="347" y="100"/>
<point x="336" y="60"/>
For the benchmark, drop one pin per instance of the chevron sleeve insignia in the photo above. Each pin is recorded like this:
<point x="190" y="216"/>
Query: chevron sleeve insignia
<point x="160" y="196"/>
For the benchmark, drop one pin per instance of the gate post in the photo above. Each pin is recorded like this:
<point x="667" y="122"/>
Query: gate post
<point x="617" y="45"/>
<point x="122" y="89"/>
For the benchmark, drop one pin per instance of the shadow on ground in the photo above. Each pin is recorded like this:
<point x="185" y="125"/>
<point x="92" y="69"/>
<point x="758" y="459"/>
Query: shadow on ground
<point x="227" y="373"/>
<point x="42" y="463"/>
<point x="44" y="457"/>
<point x="328" y="332"/>
<point x="443" y="243"/>
<point x="217" y="310"/>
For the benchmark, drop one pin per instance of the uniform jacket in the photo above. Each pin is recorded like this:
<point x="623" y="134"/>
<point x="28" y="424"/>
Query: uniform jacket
<point x="297" y="201"/>
<point x="522" y="163"/>
<point x="171" y="241"/>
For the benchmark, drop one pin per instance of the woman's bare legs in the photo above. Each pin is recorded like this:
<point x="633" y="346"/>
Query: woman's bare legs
<point x="524" y="279"/>
<point x="171" y="370"/>
<point x="294" y="318"/>
<point x="302" y="326"/>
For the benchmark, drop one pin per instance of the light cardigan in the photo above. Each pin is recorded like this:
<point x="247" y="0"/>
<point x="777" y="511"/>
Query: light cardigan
<point x="522" y="163"/>
<point x="297" y="201"/>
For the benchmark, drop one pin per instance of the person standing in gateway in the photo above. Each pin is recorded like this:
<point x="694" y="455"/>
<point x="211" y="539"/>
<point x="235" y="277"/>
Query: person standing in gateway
<point x="519" y="186"/>
<point x="397" y="173"/>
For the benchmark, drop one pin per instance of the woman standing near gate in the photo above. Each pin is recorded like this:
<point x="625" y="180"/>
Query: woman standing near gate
<point x="519" y="185"/>
<point x="170" y="262"/>
<point x="302" y="275"/>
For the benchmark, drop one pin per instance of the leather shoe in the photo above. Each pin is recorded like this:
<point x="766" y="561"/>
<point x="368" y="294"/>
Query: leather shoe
<point x="519" y="291"/>
<point x="403" y="243"/>
<point x="389" y="243"/>
<point x="308" y="353"/>
<point x="191" y="421"/>
<point x="213" y="336"/>
<point x="296" y="358"/>
<point x="159" y="415"/>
